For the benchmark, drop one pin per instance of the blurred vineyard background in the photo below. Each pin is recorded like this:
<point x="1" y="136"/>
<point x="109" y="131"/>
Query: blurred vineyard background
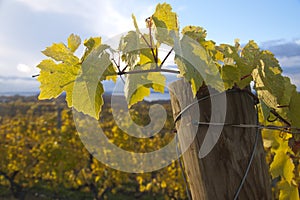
<point x="42" y="156"/>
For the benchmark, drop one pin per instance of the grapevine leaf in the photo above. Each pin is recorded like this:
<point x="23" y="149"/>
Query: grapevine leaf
<point x="267" y="97"/>
<point x="147" y="57"/>
<point x="269" y="81"/>
<point x="88" y="90"/>
<point x="288" y="170"/>
<point x="164" y="17"/>
<point x="195" y="32"/>
<point x="265" y="111"/>
<point x="247" y="63"/>
<point x="135" y="23"/>
<point x="73" y="42"/>
<point x="294" y="109"/>
<point x="56" y="78"/>
<point x="130" y="46"/>
<point x="270" y="75"/>
<point x="87" y="97"/>
<point x="230" y="75"/>
<point x="91" y="44"/>
<point x="139" y="56"/>
<point x="199" y="34"/>
<point x="59" y="52"/>
<point x="282" y="165"/>
<point x="166" y="23"/>
<point x="288" y="191"/>
<point x="137" y="86"/>
<point x="231" y="56"/>
<point x="250" y="54"/>
<point x="98" y="66"/>
<point x="196" y="65"/>
<point x="289" y="89"/>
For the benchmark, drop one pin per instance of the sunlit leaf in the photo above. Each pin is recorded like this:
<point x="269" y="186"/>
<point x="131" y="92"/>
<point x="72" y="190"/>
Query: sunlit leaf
<point x="195" y="32"/>
<point x="230" y="75"/>
<point x="130" y="47"/>
<point x="91" y="44"/>
<point x="87" y="97"/>
<point x="196" y="65"/>
<point x="59" y="52"/>
<point x="288" y="191"/>
<point x="166" y="23"/>
<point x="98" y="65"/>
<point x="73" y="42"/>
<point x="289" y="89"/>
<point x="138" y="86"/>
<point x="282" y="165"/>
<point x="56" y="78"/>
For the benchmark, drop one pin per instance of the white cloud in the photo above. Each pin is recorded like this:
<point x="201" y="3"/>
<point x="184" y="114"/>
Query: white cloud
<point x="23" y="68"/>
<point x="291" y="61"/>
<point x="106" y="18"/>
<point x="18" y="62"/>
<point x="295" y="79"/>
<point x="65" y="6"/>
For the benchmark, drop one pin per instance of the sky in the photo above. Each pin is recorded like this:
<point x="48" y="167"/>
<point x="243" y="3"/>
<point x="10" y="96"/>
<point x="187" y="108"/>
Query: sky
<point x="29" y="26"/>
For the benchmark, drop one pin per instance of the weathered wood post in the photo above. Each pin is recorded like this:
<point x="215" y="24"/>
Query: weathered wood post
<point x="219" y="174"/>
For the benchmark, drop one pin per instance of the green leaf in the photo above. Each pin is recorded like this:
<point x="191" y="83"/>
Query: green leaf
<point x="166" y="23"/>
<point x="289" y="89"/>
<point x="247" y="63"/>
<point x="130" y="46"/>
<point x="195" y="32"/>
<point x="91" y="44"/>
<point x="56" y="78"/>
<point x="199" y="34"/>
<point x="87" y="97"/>
<point x="196" y="66"/>
<point x="294" y="109"/>
<point x="138" y="86"/>
<point x="135" y="24"/>
<point x="98" y="65"/>
<point x="268" y="79"/>
<point x="88" y="89"/>
<point x="230" y="75"/>
<point x="265" y="111"/>
<point x="73" y="42"/>
<point x="250" y="54"/>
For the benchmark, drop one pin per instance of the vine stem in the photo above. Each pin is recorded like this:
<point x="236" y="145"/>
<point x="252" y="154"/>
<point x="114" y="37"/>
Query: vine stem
<point x="149" y="70"/>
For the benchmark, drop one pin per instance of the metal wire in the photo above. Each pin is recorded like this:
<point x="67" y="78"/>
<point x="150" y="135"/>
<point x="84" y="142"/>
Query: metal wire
<point x="287" y="129"/>
<point x="196" y="102"/>
<point x="250" y="160"/>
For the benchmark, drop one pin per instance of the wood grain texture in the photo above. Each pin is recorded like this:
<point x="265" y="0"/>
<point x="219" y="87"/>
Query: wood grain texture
<point x="218" y="174"/>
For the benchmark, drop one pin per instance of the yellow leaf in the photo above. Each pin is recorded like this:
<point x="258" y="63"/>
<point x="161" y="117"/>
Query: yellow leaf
<point x="59" y="52"/>
<point x="166" y="24"/>
<point x="97" y="178"/>
<point x="283" y="166"/>
<point x="163" y="184"/>
<point x="288" y="191"/>
<point x="165" y="18"/>
<point x="56" y="78"/>
<point x="73" y="42"/>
